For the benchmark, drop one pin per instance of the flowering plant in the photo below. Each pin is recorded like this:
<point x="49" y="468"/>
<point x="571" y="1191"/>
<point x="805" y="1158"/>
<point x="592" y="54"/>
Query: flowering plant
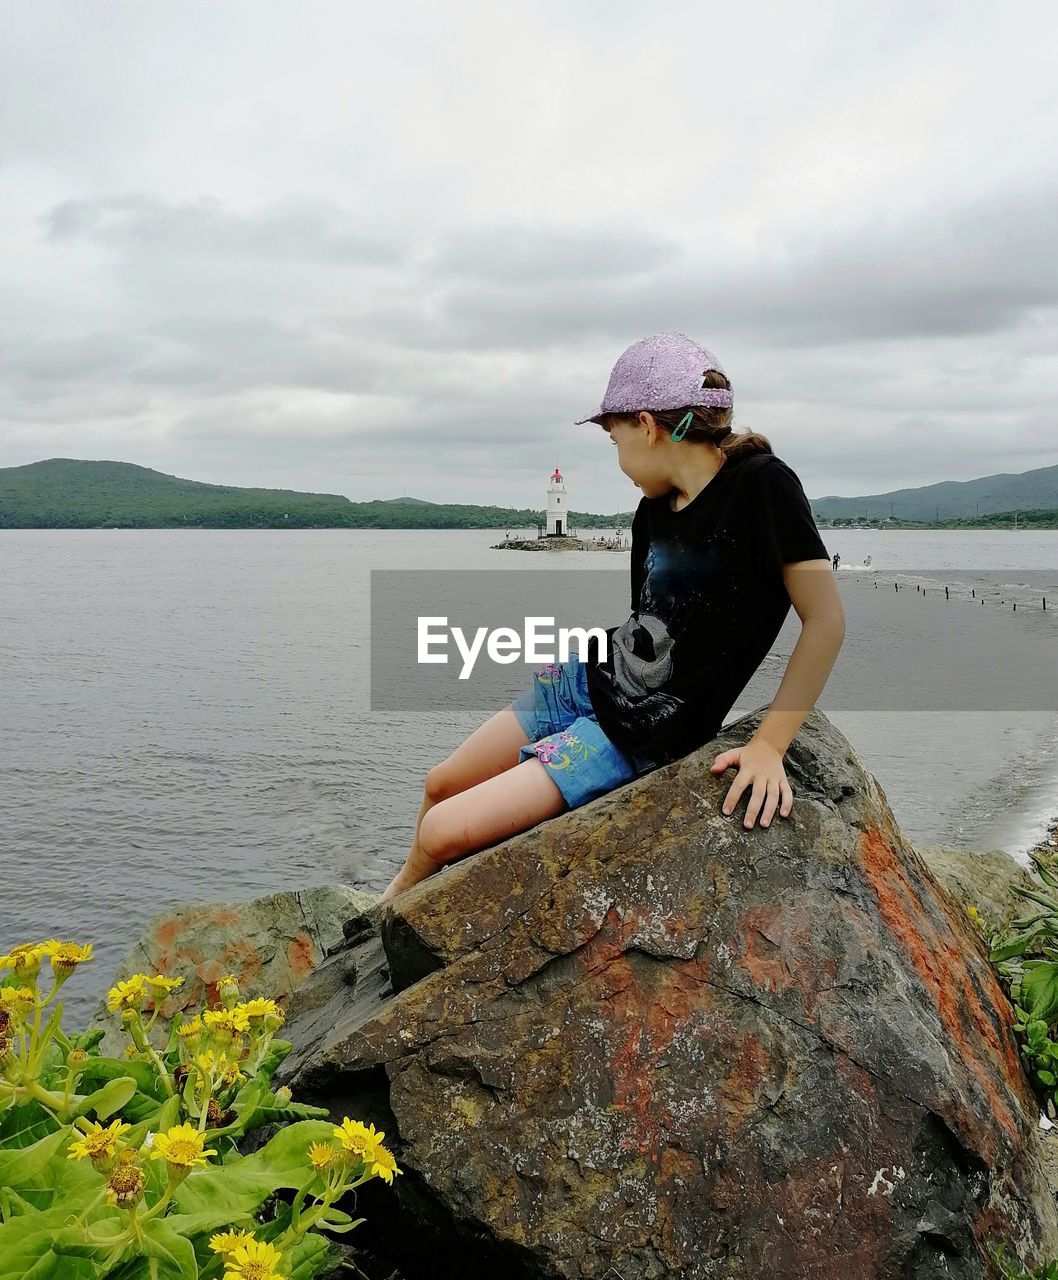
<point x="129" y="1167"/>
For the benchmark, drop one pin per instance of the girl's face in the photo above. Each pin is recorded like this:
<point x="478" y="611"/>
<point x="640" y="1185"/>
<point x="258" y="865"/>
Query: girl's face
<point x="642" y="452"/>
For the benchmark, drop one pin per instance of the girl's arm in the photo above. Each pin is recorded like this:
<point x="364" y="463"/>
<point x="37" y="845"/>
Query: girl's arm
<point x="815" y="596"/>
<point x="817" y="602"/>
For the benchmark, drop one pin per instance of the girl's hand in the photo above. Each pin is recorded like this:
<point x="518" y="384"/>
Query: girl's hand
<point x="759" y="765"/>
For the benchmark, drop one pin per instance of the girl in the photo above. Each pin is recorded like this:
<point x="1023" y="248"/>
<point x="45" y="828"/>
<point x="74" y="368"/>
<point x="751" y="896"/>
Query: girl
<point x="723" y="542"/>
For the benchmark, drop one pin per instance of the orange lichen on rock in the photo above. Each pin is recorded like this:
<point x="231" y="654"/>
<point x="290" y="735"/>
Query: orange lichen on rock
<point x="947" y="979"/>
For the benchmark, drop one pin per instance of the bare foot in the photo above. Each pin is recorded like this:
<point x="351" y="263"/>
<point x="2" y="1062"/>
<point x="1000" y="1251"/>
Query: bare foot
<point x="418" y="867"/>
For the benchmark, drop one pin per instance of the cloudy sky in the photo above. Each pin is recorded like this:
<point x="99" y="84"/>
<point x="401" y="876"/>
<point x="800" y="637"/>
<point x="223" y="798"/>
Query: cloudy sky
<point x="375" y="248"/>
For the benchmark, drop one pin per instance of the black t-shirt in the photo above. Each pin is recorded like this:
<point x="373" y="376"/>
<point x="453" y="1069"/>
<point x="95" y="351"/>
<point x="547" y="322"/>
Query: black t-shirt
<point x="708" y="600"/>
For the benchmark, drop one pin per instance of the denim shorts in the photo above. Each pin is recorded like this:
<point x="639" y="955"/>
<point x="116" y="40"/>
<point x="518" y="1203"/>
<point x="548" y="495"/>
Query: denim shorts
<point x="557" y="716"/>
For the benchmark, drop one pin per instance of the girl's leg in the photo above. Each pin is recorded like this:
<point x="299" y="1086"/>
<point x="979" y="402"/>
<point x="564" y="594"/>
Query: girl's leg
<point x="491" y="749"/>
<point x="500" y="807"/>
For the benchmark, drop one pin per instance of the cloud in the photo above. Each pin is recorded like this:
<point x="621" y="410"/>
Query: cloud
<point x="294" y="246"/>
<point x="290" y="233"/>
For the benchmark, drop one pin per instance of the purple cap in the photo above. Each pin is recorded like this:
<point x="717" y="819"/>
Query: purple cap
<point x="663" y="371"/>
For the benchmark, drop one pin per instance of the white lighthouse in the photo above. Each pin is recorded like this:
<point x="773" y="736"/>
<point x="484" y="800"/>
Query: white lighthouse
<point x="557" y="506"/>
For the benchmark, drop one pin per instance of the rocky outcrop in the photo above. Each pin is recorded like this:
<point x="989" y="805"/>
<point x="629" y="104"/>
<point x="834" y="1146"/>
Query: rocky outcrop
<point x="642" y="1042"/>
<point x="981" y="878"/>
<point x="270" y="944"/>
<point x="552" y="543"/>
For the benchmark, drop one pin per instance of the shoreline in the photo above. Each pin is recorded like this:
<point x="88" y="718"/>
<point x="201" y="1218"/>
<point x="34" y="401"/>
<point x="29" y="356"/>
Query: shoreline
<point x="995" y="591"/>
<point x="1049" y="843"/>
<point x="1035" y="593"/>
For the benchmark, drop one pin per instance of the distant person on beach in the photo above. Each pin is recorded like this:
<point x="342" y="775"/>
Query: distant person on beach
<point x="866" y="562"/>
<point x="723" y="542"/>
<point x="837" y="560"/>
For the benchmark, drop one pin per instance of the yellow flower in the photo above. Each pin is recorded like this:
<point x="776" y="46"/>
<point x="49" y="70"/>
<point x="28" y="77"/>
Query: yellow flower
<point x="181" y="1147"/>
<point x="359" y="1139"/>
<point x="25" y="958"/>
<point x="254" y="1260"/>
<point x="193" y="1027"/>
<point x="365" y="1142"/>
<point x="226" y="1242"/>
<point x="99" y="1144"/>
<point x="383" y="1165"/>
<point x="159" y="982"/>
<point x="22" y="996"/>
<point x="17" y="1000"/>
<point x="230" y="1021"/>
<point x="66" y="956"/>
<point x="321" y="1155"/>
<point x="259" y="1007"/>
<point x="976" y="919"/>
<point x="127" y="995"/>
<point x="220" y="1066"/>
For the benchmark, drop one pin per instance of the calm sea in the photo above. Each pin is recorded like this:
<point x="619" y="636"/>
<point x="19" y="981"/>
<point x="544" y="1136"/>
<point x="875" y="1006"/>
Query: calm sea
<point x="184" y="715"/>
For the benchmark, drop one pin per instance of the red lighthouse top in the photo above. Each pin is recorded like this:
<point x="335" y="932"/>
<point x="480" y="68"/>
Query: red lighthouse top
<point x="556" y="474"/>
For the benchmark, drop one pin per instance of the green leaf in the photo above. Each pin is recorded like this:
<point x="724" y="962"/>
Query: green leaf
<point x="256" y="1104"/>
<point x="164" y="1117"/>
<point x="311" y="1256"/>
<point x="12" y="1204"/>
<point x="175" y="1254"/>
<point x="1036" y="896"/>
<point x="340" y="1229"/>
<point x="54" y="1267"/>
<point x="1045" y="874"/>
<point x="169" y="1052"/>
<point x="114" y="1095"/>
<point x="242" y="1184"/>
<point x="1039" y="990"/>
<point x="277" y="1051"/>
<point x="87" y="1040"/>
<point x="71" y="1241"/>
<point x="1008" y="950"/>
<point x="22" y="1164"/>
<point x="99" y="1070"/>
<point x="207" y="1221"/>
<point x="25" y="1124"/>
<point x="61" y="1182"/>
<point x="26" y="1246"/>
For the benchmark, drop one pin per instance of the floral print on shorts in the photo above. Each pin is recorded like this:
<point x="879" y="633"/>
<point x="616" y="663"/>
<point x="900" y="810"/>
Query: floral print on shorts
<point x="563" y="750"/>
<point x="564" y="735"/>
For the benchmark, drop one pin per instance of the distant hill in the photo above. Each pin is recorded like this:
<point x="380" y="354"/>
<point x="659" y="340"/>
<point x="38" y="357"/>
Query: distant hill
<point x="950" y="499"/>
<point x="66" y="493"/>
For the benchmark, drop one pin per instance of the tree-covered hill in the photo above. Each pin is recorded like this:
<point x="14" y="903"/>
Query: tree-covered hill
<point x="66" y="493"/>
<point x="950" y="499"/>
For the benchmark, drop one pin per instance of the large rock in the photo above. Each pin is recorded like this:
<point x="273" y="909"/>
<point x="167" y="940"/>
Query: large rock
<point x="641" y="1041"/>
<point x="270" y="944"/>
